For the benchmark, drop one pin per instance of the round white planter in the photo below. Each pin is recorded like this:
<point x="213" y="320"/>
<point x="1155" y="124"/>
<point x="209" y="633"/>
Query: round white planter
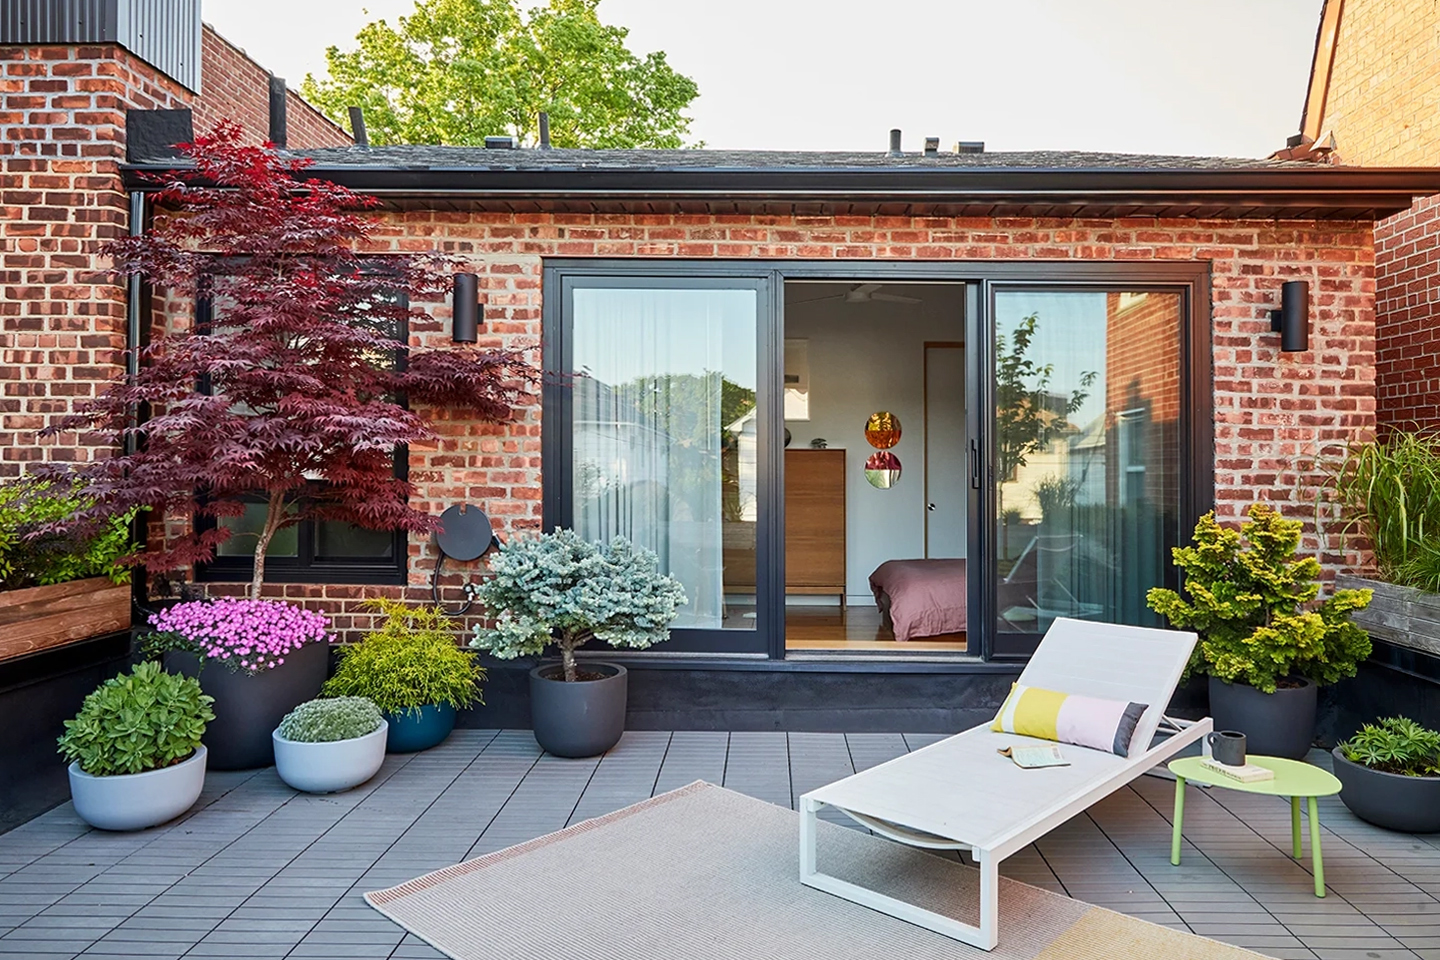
<point x="134" y="801"/>
<point x="331" y="766"/>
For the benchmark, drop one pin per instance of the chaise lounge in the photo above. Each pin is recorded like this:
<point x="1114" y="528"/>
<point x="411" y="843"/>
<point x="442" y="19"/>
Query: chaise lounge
<point x="961" y="794"/>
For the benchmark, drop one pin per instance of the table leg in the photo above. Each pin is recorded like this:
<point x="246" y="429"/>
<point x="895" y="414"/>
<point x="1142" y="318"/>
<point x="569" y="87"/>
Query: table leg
<point x="1295" y="827"/>
<point x="1315" y="848"/>
<point x="1179" y="819"/>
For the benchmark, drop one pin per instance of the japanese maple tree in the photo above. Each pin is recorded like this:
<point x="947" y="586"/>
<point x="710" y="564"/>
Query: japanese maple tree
<point x="298" y="391"/>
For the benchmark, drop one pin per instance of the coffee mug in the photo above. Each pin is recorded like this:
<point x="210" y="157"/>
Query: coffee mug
<point x="1228" y="747"/>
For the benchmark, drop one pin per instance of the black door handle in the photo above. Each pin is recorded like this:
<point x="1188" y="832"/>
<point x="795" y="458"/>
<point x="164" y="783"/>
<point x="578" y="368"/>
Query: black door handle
<point x="974" y="464"/>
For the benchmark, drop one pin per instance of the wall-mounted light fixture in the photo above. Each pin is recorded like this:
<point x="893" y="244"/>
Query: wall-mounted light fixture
<point x="465" y="313"/>
<point x="1292" y="320"/>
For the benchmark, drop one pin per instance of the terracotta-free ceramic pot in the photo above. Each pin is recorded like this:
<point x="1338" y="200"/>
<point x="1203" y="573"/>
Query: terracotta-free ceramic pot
<point x="331" y="765"/>
<point x="134" y="801"/>
<point x="1279" y="724"/>
<point x="581" y="719"/>
<point x="249" y="706"/>
<point x="1390" y="800"/>
<point x="420" y="729"/>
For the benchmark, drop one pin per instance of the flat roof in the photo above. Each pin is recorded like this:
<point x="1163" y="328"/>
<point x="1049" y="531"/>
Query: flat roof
<point x="1031" y="183"/>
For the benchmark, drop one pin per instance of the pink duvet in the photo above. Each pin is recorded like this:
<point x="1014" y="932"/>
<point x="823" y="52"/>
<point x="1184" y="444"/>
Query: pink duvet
<point x="922" y="597"/>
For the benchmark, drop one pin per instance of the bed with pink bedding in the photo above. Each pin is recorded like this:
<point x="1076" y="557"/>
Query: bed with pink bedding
<point x="921" y="598"/>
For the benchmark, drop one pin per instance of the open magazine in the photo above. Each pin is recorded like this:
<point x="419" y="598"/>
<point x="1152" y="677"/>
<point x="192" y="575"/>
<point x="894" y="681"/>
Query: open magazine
<point x="1032" y="757"/>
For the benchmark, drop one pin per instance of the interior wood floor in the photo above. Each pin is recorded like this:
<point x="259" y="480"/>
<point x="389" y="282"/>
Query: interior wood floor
<point x="827" y="627"/>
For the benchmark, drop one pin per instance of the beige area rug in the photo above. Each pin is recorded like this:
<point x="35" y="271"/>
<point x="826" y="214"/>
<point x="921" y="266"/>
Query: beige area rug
<point x="704" y="872"/>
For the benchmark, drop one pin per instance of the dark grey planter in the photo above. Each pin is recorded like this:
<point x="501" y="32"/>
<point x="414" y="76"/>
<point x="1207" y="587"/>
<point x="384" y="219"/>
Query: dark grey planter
<point x="582" y="719"/>
<point x="248" y="708"/>
<point x="1389" y="800"/>
<point x="1279" y="724"/>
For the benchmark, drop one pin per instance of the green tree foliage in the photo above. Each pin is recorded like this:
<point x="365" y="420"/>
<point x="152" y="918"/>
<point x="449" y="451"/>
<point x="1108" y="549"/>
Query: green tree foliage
<point x="455" y="71"/>
<point x="412" y="661"/>
<point x="138" y="721"/>
<point x="1252" y="601"/>
<point x="560" y="588"/>
<point x="33" y="552"/>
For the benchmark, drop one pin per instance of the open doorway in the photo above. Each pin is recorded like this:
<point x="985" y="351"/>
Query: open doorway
<point x="876" y="493"/>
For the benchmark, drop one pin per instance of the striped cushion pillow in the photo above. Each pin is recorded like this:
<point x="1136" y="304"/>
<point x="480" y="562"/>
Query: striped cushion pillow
<point x="1069" y="718"/>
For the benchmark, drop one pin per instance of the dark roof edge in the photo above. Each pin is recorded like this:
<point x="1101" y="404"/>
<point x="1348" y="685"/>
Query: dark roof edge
<point x="1359" y="188"/>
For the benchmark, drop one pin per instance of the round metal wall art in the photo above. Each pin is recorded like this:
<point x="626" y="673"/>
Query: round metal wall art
<point x="882" y="470"/>
<point x="882" y="430"/>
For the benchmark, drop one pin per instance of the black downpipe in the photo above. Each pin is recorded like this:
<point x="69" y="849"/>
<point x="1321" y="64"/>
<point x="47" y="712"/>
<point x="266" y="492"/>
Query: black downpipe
<point x="137" y="308"/>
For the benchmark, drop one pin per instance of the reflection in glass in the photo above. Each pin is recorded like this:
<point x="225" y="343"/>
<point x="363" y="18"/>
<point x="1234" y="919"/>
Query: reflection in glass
<point x="665" y="437"/>
<point x="1086" y="453"/>
<point x="245" y="530"/>
<point x="882" y="469"/>
<point x="335" y="538"/>
<point x="882" y="430"/>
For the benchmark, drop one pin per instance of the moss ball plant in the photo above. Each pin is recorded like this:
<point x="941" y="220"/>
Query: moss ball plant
<point x="139" y="721"/>
<point x="411" y="661"/>
<point x="325" y="721"/>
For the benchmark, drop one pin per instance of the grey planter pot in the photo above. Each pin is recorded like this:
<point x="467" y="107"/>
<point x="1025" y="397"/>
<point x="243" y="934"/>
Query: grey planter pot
<point x="1389" y="800"/>
<point x="1279" y="724"/>
<point x="247" y="708"/>
<point x="582" y="719"/>
<point x="1402" y="616"/>
<point x="134" y="801"/>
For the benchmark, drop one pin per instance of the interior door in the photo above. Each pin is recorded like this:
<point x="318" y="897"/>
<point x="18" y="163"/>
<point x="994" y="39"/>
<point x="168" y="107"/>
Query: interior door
<point x="946" y="453"/>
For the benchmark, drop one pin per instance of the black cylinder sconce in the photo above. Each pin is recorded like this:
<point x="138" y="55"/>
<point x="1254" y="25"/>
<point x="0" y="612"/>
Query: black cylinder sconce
<point x="465" y="314"/>
<point x="1292" y="320"/>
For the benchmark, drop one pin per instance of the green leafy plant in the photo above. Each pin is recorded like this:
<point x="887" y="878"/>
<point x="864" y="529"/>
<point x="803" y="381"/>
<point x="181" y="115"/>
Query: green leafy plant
<point x="325" y="721"/>
<point x="143" y="720"/>
<point x="1252" y="600"/>
<point x="410" y="662"/>
<point x="560" y="588"/>
<point x="1395" y="745"/>
<point x="33" y="554"/>
<point x="1390" y="490"/>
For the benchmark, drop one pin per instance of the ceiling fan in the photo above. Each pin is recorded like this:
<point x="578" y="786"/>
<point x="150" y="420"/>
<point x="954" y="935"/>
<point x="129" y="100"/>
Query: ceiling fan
<point x="863" y="293"/>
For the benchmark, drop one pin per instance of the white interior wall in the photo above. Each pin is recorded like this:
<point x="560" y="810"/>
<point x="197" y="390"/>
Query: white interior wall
<point x="866" y="357"/>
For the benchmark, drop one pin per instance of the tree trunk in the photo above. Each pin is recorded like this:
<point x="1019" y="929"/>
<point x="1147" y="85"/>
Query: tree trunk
<point x="274" y="513"/>
<point x="567" y="660"/>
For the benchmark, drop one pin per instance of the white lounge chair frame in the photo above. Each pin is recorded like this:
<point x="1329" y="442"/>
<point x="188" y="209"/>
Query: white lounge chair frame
<point x="959" y="794"/>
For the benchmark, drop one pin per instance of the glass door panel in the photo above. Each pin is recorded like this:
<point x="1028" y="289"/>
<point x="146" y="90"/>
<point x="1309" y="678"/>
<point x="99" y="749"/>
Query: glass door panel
<point x="665" y="437"/>
<point x="1085" y="455"/>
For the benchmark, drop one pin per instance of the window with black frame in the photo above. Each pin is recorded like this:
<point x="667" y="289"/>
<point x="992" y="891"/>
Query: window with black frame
<point x="312" y="550"/>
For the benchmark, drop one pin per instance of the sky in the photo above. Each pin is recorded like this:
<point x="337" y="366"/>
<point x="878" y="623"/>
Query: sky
<point x="1193" y="77"/>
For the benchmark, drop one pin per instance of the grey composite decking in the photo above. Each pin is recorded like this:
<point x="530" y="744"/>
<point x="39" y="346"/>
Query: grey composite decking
<point x="259" y="871"/>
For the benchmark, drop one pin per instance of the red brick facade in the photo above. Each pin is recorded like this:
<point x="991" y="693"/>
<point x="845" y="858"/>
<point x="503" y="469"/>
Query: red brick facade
<point x="1382" y="104"/>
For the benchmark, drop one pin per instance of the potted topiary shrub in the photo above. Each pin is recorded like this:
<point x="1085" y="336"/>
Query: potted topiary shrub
<point x="1265" y="641"/>
<point x="414" y="671"/>
<point x="1390" y="775"/>
<point x="558" y="588"/>
<point x="259" y="659"/>
<point x="134" y="748"/>
<point x="58" y="587"/>
<point x="323" y="746"/>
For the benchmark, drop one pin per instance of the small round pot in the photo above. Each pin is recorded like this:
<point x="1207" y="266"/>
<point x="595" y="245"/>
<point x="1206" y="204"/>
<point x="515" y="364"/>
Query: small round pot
<point x="581" y="719"/>
<point x="1279" y="724"/>
<point x="1389" y="800"/>
<point x="248" y="707"/>
<point x="134" y="801"/>
<point x="412" y="730"/>
<point x="330" y="766"/>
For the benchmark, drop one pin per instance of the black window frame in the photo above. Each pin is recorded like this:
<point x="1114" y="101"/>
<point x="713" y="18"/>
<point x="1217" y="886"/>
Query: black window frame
<point x="305" y="566"/>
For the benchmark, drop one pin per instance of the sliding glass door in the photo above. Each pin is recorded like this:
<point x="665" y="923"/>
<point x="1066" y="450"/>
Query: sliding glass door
<point x="1085" y="448"/>
<point x="665" y="432"/>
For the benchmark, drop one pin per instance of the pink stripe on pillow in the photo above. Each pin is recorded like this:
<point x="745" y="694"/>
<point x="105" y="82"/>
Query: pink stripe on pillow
<point x="1089" y="722"/>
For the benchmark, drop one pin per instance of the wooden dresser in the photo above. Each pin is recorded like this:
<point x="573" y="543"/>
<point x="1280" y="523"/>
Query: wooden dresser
<point x="815" y="522"/>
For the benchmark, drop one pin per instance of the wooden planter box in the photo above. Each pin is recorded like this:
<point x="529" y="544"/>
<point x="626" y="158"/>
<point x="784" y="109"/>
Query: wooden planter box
<point x="38" y="618"/>
<point x="1402" y="616"/>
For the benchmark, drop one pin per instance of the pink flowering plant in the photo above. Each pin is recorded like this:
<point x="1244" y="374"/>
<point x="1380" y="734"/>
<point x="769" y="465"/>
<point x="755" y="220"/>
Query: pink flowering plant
<point x="245" y="635"/>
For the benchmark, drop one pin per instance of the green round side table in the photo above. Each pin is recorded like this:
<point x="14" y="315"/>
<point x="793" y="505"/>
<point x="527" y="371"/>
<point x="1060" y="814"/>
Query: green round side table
<point x="1293" y="779"/>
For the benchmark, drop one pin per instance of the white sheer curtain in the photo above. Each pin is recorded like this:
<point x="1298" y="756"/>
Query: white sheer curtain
<point x="648" y="428"/>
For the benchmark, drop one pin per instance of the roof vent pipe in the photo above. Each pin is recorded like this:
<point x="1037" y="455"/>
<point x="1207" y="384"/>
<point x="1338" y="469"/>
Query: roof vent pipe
<point x="895" y="150"/>
<point x="277" y="111"/>
<point x="970" y="146"/>
<point x="544" y="130"/>
<point x="499" y="143"/>
<point x="357" y="127"/>
<point x="932" y="146"/>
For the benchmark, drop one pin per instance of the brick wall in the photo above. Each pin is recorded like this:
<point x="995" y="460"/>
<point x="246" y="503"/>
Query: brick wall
<point x="237" y="88"/>
<point x="1272" y="410"/>
<point x="1383" y="106"/>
